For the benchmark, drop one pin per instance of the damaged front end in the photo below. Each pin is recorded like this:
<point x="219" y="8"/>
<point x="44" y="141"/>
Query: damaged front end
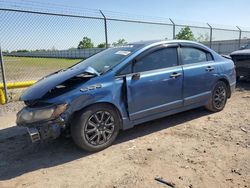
<point x="43" y="118"/>
<point x="42" y="122"/>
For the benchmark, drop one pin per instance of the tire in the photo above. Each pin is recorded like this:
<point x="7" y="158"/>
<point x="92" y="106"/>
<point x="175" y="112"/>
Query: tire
<point x="96" y="127"/>
<point x="218" y="98"/>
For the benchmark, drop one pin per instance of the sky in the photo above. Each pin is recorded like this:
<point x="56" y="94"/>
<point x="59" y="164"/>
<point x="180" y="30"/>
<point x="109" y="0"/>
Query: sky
<point x="225" y="12"/>
<point x="29" y="31"/>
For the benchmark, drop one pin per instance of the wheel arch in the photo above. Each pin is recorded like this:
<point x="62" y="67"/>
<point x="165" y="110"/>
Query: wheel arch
<point x="101" y="103"/>
<point x="227" y="84"/>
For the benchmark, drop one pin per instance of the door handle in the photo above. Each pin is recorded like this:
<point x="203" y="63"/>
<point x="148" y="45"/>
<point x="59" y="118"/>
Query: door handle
<point x="136" y="76"/>
<point x="175" y="75"/>
<point x="209" y="68"/>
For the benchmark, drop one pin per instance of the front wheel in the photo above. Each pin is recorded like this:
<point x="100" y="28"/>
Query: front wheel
<point x="218" y="98"/>
<point x="95" y="127"/>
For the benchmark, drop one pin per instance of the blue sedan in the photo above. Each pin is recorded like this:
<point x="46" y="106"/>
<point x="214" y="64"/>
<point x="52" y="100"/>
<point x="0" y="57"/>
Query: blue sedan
<point x="124" y="86"/>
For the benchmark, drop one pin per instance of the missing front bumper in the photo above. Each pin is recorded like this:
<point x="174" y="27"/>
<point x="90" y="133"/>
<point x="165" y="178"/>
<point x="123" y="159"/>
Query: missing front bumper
<point x="44" y="131"/>
<point x="34" y="134"/>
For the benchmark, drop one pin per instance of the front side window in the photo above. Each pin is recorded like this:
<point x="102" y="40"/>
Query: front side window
<point x="193" y="55"/>
<point x="126" y="70"/>
<point x="162" y="58"/>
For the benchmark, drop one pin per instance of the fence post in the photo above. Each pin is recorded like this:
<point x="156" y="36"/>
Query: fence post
<point x="240" y="31"/>
<point x="3" y="76"/>
<point x="106" y="30"/>
<point x="211" y="35"/>
<point x="173" y="27"/>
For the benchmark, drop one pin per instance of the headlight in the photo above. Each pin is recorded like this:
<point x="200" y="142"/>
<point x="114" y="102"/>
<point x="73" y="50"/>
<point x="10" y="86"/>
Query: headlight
<point x="31" y="115"/>
<point x="43" y="114"/>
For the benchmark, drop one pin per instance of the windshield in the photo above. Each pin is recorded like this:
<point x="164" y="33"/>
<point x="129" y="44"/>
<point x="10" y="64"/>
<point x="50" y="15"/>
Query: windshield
<point x="109" y="58"/>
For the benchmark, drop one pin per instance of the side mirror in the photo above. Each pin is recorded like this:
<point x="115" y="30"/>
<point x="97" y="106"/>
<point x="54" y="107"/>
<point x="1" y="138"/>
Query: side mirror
<point x="136" y="76"/>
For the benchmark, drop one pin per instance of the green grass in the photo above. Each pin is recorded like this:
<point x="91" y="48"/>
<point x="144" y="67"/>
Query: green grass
<point x="28" y="68"/>
<point x="19" y="69"/>
<point x="39" y="62"/>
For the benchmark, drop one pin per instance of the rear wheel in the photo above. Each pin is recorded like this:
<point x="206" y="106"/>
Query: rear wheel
<point x="219" y="97"/>
<point x="95" y="127"/>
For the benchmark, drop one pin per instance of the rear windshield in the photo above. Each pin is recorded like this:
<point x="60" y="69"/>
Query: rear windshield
<point x="109" y="58"/>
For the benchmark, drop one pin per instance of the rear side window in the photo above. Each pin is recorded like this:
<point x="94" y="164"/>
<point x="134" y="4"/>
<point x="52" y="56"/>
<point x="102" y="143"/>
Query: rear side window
<point x="162" y="58"/>
<point x="194" y="55"/>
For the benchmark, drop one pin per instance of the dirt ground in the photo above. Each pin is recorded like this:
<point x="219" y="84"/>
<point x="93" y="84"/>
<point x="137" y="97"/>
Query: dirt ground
<point x="191" y="149"/>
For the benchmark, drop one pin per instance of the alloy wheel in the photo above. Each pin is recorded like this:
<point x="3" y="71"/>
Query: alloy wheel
<point x="99" y="128"/>
<point x="219" y="97"/>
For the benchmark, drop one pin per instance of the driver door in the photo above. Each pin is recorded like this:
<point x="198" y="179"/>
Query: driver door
<point x="155" y="84"/>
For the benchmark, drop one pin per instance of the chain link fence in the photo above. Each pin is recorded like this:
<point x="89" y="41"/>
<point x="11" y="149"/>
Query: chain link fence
<point x="38" y="41"/>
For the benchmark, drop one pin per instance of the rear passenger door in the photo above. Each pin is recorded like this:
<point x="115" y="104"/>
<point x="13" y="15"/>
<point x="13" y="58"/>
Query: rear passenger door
<point x="199" y="74"/>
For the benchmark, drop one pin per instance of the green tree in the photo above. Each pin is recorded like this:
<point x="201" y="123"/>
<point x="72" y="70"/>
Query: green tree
<point x="202" y="38"/>
<point x="85" y="43"/>
<point x="6" y="51"/>
<point x="22" y="51"/>
<point x="120" y="42"/>
<point x="185" y="34"/>
<point x="101" y="45"/>
<point x="53" y="48"/>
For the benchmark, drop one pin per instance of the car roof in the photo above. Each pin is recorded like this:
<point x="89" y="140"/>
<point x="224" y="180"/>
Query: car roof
<point x="149" y="42"/>
<point x="145" y="45"/>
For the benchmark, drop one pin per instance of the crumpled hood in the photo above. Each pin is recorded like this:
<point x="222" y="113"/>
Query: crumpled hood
<point x="43" y="86"/>
<point x="241" y="52"/>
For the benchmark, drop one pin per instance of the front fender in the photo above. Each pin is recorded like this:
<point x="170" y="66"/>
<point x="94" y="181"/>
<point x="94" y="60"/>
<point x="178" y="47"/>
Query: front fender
<point x="110" y="93"/>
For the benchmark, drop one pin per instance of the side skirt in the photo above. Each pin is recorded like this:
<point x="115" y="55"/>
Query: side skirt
<point x="127" y="124"/>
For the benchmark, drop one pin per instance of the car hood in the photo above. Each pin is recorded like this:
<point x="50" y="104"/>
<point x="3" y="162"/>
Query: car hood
<point x="48" y="83"/>
<point x="241" y="52"/>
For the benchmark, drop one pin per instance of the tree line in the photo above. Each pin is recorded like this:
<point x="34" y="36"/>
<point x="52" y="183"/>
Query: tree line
<point x="86" y="42"/>
<point x="184" y="34"/>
